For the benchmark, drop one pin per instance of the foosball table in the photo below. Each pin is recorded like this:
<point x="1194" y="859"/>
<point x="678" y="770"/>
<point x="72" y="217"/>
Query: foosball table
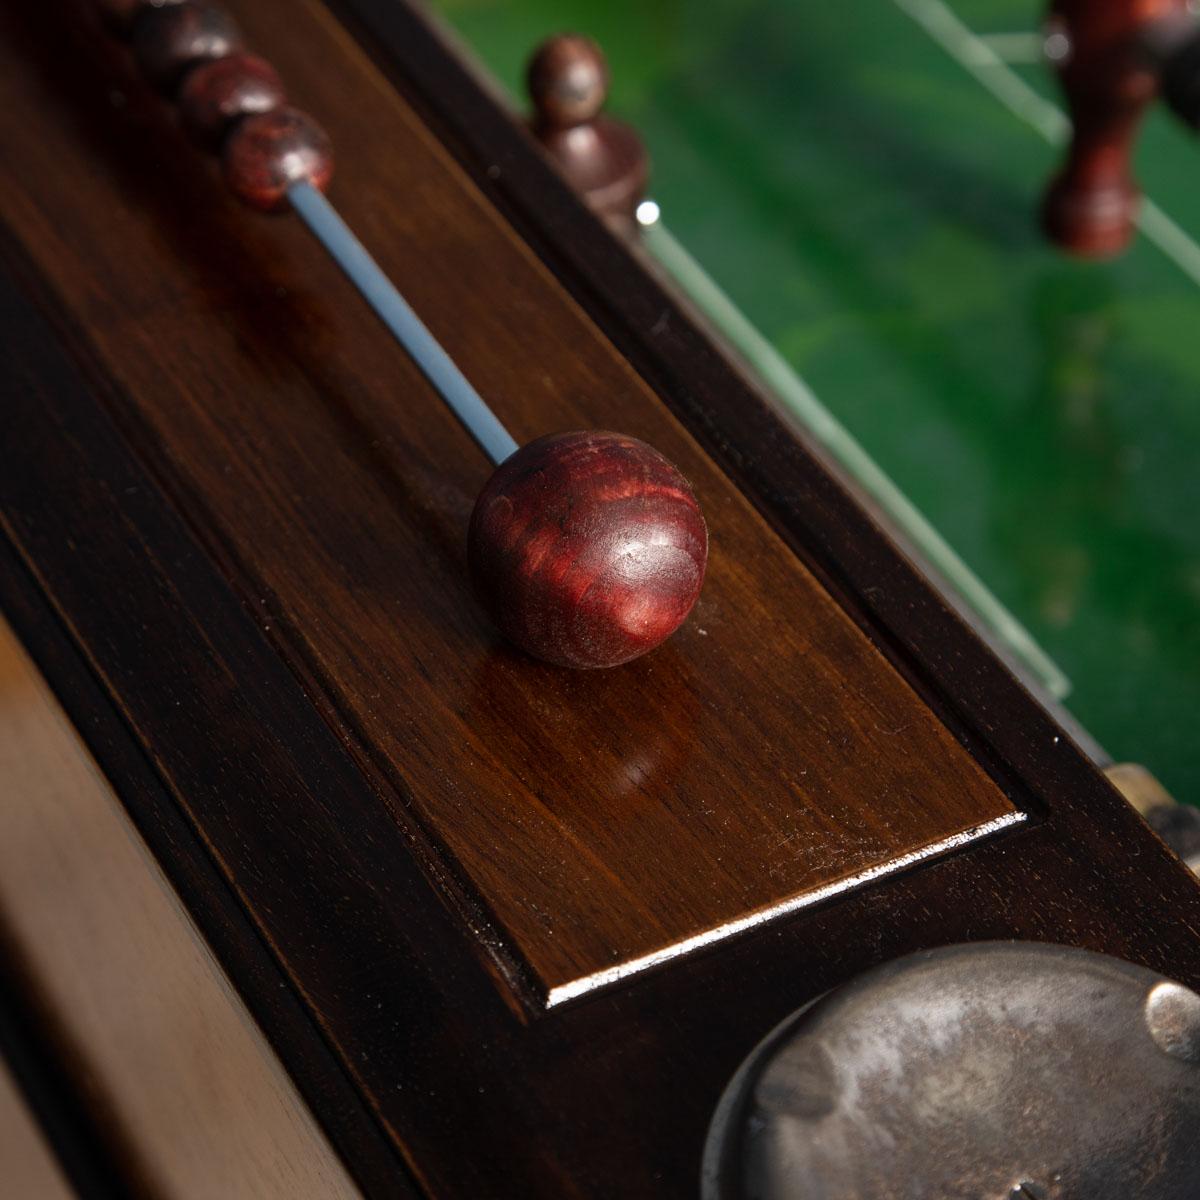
<point x="465" y="732"/>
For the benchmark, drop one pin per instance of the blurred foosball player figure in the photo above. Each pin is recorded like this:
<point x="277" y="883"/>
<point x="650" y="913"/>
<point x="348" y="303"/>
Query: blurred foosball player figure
<point x="1113" y="57"/>
<point x="602" y="158"/>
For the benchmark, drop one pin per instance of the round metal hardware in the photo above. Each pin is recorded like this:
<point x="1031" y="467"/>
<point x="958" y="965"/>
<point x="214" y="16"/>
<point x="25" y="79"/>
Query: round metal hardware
<point x="998" y="1071"/>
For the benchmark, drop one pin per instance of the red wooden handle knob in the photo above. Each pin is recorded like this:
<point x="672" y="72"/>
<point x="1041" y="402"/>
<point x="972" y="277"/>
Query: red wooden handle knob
<point x="169" y="39"/>
<point x="266" y="153"/>
<point x="568" y="81"/>
<point x="217" y="94"/>
<point x="588" y="549"/>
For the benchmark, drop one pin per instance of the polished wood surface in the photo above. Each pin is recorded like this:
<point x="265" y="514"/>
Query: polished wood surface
<point x="216" y="94"/>
<point x="268" y="152"/>
<point x="372" y="964"/>
<point x="169" y="39"/>
<point x="768" y="753"/>
<point x="185" y="1081"/>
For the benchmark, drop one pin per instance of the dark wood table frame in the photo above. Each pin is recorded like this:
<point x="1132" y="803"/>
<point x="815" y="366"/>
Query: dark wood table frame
<point x="450" y="1091"/>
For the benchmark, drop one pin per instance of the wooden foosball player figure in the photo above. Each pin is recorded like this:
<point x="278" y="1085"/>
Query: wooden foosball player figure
<point x="587" y="548"/>
<point x="1117" y="56"/>
<point x="603" y="159"/>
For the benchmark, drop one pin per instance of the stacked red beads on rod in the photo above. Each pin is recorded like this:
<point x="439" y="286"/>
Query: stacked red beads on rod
<point x="218" y="93"/>
<point x="588" y="549"/>
<point x="229" y="100"/>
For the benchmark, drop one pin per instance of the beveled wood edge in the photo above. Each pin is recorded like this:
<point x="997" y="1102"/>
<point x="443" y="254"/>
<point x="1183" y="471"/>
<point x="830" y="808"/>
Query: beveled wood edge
<point x="577" y="988"/>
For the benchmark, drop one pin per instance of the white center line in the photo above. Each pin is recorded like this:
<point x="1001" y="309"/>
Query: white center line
<point x="1016" y="47"/>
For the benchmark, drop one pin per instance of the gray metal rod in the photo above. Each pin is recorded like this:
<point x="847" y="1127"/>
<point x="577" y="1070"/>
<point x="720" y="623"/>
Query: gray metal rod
<point x="395" y="312"/>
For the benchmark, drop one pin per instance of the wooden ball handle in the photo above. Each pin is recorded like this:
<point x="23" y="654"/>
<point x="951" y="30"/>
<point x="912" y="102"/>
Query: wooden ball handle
<point x="232" y="101"/>
<point x="1108" y="80"/>
<point x="588" y="549"/>
<point x="603" y="159"/>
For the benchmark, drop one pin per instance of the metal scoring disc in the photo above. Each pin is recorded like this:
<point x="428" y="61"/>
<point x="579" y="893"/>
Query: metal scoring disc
<point x="996" y="1071"/>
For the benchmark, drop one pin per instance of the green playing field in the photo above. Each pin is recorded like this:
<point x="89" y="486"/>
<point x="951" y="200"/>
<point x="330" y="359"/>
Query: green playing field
<point x="860" y="180"/>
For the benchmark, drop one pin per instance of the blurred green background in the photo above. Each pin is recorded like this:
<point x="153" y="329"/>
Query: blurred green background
<point x="848" y="179"/>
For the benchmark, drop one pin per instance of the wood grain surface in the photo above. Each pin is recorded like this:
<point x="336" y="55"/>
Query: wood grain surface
<point x="28" y="1163"/>
<point x="602" y="821"/>
<point x="299" y="853"/>
<point x="187" y="1085"/>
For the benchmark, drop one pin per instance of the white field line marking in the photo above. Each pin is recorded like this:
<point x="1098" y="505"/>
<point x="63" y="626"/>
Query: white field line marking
<point x="1015" y="47"/>
<point x="982" y="61"/>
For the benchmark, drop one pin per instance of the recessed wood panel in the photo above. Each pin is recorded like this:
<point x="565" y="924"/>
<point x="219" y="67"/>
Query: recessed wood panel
<point x="180" y="1078"/>
<point x="589" y="824"/>
<point x="28" y="1162"/>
